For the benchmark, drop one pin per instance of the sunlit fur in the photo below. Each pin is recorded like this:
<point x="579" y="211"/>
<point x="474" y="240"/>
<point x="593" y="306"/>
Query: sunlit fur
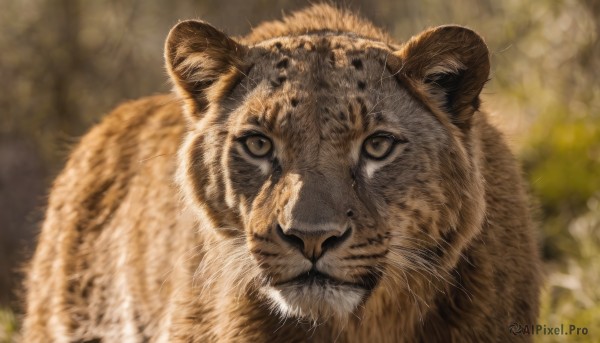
<point x="162" y="228"/>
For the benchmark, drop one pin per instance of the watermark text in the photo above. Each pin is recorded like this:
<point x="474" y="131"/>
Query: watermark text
<point x="547" y="330"/>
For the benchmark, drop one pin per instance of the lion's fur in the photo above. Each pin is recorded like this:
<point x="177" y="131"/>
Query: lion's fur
<point x="160" y="228"/>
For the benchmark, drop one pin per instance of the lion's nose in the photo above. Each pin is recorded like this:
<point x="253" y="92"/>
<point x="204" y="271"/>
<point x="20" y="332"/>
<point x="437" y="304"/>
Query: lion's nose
<point x="314" y="243"/>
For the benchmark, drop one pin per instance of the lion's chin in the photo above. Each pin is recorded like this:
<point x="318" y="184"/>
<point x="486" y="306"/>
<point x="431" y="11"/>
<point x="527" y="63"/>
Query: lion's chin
<point x="315" y="302"/>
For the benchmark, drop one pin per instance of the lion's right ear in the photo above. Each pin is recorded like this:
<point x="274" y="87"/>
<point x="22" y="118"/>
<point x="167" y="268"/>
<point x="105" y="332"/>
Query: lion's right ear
<point x="449" y="65"/>
<point x="198" y="57"/>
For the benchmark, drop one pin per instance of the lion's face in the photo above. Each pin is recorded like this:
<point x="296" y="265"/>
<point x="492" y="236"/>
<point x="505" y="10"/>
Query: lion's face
<point x="327" y="173"/>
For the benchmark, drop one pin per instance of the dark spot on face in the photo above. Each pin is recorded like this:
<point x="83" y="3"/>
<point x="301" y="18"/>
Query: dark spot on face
<point x="277" y="170"/>
<point x="363" y="106"/>
<point x="294" y="102"/>
<point x="342" y="115"/>
<point x="278" y="45"/>
<point x="439" y="251"/>
<point x="377" y="117"/>
<point x="350" y="213"/>
<point x="278" y="81"/>
<point x="254" y="120"/>
<point x="273" y="115"/>
<point x="357" y="64"/>
<point x="332" y="58"/>
<point x="423" y="227"/>
<point x="263" y="253"/>
<point x="258" y="237"/>
<point x="283" y="63"/>
<point x="248" y="69"/>
<point x="449" y="236"/>
<point x="362" y="85"/>
<point x="352" y="174"/>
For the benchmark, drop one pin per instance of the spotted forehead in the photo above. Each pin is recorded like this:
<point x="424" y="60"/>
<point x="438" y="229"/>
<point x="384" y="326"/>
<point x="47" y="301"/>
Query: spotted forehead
<point x="330" y="83"/>
<point x="322" y="50"/>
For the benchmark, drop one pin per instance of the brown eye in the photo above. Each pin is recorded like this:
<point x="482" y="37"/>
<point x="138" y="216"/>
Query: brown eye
<point x="258" y="146"/>
<point x="378" y="146"/>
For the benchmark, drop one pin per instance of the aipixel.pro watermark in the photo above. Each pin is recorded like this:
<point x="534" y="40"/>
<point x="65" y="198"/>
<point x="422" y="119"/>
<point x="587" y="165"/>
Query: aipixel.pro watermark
<point x="543" y="329"/>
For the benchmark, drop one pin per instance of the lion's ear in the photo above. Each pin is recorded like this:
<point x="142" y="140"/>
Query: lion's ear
<point x="450" y="65"/>
<point x="197" y="57"/>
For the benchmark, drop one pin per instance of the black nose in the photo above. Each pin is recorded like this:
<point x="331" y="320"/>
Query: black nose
<point x="313" y="243"/>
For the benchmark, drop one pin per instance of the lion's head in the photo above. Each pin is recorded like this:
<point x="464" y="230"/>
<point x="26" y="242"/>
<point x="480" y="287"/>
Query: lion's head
<point x="328" y="165"/>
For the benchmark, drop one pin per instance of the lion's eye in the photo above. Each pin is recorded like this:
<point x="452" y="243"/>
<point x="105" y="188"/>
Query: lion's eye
<point x="378" y="146"/>
<point x="258" y="146"/>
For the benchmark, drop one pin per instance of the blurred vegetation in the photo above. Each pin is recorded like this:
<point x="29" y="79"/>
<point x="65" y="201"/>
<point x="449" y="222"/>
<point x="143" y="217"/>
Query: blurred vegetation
<point x="67" y="62"/>
<point x="8" y="325"/>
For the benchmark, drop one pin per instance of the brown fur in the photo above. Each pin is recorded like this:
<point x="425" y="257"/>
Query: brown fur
<point x="163" y="227"/>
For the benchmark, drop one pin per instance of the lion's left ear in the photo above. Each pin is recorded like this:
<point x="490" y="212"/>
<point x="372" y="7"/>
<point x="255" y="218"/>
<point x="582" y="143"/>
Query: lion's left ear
<point x="450" y="64"/>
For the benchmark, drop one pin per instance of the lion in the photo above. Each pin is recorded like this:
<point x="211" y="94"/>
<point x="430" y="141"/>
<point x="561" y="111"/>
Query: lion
<point x="312" y="181"/>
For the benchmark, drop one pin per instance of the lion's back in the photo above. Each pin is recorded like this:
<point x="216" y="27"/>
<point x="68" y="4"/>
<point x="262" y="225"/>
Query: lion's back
<point x="113" y="200"/>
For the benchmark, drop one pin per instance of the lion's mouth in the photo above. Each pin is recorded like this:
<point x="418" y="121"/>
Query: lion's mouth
<point x="316" y="294"/>
<point x="315" y="277"/>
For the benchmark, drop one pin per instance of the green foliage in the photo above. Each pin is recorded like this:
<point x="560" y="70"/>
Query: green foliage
<point x="8" y="326"/>
<point x="563" y="162"/>
<point x="572" y="296"/>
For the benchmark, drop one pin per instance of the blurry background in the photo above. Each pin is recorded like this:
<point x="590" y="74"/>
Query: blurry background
<point x="65" y="63"/>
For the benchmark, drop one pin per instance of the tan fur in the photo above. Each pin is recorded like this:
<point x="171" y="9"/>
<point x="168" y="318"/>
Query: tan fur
<point x="163" y="228"/>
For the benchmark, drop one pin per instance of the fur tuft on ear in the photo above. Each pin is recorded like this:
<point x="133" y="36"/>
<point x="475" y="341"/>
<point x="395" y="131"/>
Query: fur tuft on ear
<point x="449" y="65"/>
<point x="198" y="55"/>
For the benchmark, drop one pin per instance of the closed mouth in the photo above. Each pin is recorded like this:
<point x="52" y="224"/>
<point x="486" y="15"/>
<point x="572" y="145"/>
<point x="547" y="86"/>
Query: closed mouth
<point x="317" y="278"/>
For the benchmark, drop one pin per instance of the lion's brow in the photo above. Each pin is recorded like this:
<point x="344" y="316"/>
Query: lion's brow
<point x="267" y="118"/>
